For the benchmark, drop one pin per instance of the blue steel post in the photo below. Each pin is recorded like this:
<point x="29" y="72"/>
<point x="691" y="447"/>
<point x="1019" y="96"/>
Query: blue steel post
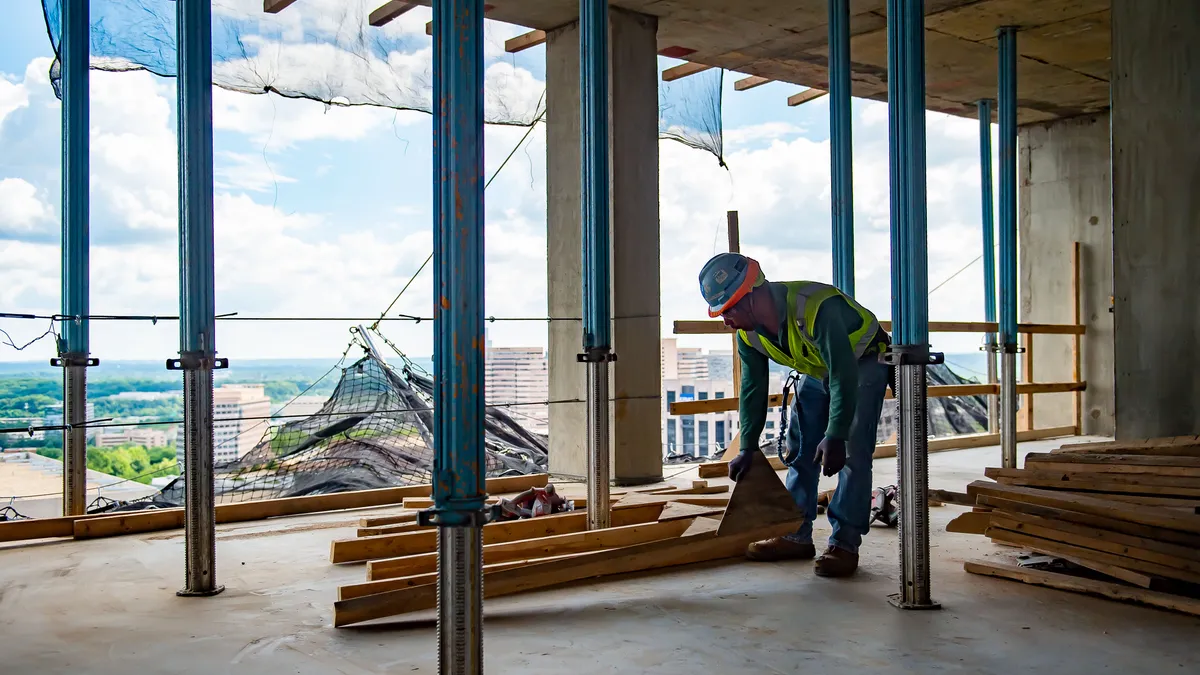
<point x="841" y="146"/>
<point x="73" y="348"/>
<point x="1006" y="103"/>
<point x="197" y="306"/>
<point x="459" y="468"/>
<point x="910" y="292"/>
<point x="597" y="331"/>
<point x="989" y="252"/>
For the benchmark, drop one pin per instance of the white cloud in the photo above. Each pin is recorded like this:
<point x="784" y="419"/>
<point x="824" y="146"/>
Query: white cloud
<point x="246" y="171"/>
<point x="21" y="209"/>
<point x="13" y="96"/>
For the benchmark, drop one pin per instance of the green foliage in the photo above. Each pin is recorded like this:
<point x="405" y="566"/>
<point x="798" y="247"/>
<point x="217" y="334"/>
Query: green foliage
<point x="52" y="453"/>
<point x="128" y="461"/>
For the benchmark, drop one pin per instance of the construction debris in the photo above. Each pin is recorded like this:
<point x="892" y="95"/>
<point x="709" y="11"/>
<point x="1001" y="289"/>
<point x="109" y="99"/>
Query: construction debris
<point x="653" y="530"/>
<point x="1124" y="516"/>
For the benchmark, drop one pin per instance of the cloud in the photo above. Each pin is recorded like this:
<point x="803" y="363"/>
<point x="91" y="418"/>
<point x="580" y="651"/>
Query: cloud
<point x="13" y="96"/>
<point x="246" y="171"/>
<point x="22" y="211"/>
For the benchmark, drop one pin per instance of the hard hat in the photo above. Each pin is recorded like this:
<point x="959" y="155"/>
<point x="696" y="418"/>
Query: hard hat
<point x="726" y="279"/>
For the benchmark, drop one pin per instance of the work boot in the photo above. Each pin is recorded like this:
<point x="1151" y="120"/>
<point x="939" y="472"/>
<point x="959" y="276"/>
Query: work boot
<point x="780" y="548"/>
<point x="836" y="562"/>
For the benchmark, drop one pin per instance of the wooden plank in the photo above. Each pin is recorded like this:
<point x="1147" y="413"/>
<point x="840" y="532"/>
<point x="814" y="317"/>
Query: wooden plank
<point x="379" y="521"/>
<point x="713" y="327"/>
<point x="1120" y="573"/>
<point x="1067" y="477"/>
<point x="1090" y="505"/>
<point x="1105" y="589"/>
<point x="1146" y="548"/>
<point x="1188" y="446"/>
<point x="1148" y="500"/>
<point x="1076" y="351"/>
<point x="683" y="70"/>
<point x="276" y="6"/>
<point x="1099" y="522"/>
<point x="971" y="522"/>
<point x="721" y="469"/>
<point x="758" y="499"/>
<point x="975" y="441"/>
<point x="407" y="543"/>
<point x="540" y="547"/>
<point x="1028" y="412"/>
<point x="751" y="82"/>
<point x="37" y="528"/>
<point x="1054" y="547"/>
<point x="392" y="10"/>
<point x="128" y="523"/>
<point x="372" y="587"/>
<point x="1098" y="487"/>
<point x="951" y="497"/>
<point x="1117" y="463"/>
<point x="805" y="96"/>
<point x="388" y="529"/>
<point x="527" y="41"/>
<point x="705" y="490"/>
<point x="696" y="546"/>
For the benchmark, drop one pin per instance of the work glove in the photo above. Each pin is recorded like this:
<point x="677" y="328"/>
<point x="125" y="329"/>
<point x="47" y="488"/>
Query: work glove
<point x="740" y="465"/>
<point x="831" y="452"/>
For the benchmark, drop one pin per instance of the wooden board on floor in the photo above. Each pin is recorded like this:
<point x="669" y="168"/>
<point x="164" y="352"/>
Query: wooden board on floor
<point x="1165" y="553"/>
<point x="394" y="545"/>
<point x="951" y="497"/>
<point x="1155" y="517"/>
<point x="971" y="522"/>
<point x="1089" y="586"/>
<point x="1183" y="446"/>
<point x="372" y="587"/>
<point x="1171" y="486"/>
<point x="699" y="544"/>
<point x="1055" y="547"/>
<point x="540" y="547"/>
<point x="380" y="521"/>
<point x="721" y="469"/>
<point x="1089" y="520"/>
<point x="389" y="529"/>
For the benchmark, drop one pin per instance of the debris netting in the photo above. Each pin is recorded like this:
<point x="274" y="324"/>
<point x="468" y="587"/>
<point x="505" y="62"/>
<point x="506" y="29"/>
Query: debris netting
<point x="374" y="431"/>
<point x="325" y="50"/>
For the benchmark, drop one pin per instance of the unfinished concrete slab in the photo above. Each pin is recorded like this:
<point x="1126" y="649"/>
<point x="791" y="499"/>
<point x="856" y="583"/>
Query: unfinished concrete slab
<point x="108" y="606"/>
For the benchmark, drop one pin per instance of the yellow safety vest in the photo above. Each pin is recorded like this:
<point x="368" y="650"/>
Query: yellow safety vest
<point x="804" y="298"/>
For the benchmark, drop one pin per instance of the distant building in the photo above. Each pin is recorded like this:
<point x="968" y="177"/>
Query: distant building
<point x="519" y="375"/>
<point x="54" y="417"/>
<point x="240" y="419"/>
<point x="149" y="438"/>
<point x="301" y="406"/>
<point x="708" y="434"/>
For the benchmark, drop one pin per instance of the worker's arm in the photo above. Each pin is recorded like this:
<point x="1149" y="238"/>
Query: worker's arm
<point x="831" y="329"/>
<point x="752" y="405"/>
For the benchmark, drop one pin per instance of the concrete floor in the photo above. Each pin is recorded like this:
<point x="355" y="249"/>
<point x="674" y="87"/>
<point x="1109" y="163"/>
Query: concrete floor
<point x="108" y="606"/>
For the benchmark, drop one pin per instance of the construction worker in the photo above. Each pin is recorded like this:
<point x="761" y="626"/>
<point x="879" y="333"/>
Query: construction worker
<point x="834" y="344"/>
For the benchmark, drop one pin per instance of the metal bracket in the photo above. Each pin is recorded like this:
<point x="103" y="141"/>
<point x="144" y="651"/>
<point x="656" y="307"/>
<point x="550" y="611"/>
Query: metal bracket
<point x="197" y="362"/>
<point x="1009" y="349"/>
<point x="74" y="360"/>
<point x="911" y="355"/>
<point x="898" y="602"/>
<point x="597" y="355"/>
<point x="436" y="517"/>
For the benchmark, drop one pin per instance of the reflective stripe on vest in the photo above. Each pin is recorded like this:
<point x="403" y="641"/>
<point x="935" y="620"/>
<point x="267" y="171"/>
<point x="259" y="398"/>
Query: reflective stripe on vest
<point x="804" y="299"/>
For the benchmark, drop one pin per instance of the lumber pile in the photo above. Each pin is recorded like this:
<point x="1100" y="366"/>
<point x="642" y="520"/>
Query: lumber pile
<point x="652" y="528"/>
<point x="1123" y="518"/>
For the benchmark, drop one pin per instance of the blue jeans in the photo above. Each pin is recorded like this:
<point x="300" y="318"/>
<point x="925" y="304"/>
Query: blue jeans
<point x="850" y="508"/>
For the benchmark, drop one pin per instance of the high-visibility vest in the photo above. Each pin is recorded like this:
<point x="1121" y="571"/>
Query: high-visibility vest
<point x="804" y="298"/>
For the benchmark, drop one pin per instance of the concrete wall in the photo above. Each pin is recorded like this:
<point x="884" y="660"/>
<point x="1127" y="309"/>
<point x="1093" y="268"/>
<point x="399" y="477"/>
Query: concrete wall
<point x="1156" y="216"/>
<point x="1065" y="196"/>
<point x="636" y="376"/>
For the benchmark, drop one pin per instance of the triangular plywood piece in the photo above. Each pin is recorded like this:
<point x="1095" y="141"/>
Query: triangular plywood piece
<point x="759" y="499"/>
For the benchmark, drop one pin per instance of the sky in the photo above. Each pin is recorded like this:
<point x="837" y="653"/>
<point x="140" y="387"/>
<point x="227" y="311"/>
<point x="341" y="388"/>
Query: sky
<point x="326" y="210"/>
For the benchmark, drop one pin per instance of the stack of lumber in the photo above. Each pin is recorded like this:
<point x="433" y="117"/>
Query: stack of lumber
<point x="650" y="529"/>
<point x="1125" y="513"/>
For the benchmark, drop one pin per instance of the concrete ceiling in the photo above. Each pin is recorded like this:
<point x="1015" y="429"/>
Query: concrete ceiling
<point x="1064" y="45"/>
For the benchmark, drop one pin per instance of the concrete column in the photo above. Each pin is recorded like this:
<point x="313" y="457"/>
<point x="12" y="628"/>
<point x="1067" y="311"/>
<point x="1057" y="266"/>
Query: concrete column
<point x="1156" y="216"/>
<point x="1065" y="196"/>
<point x="636" y="376"/>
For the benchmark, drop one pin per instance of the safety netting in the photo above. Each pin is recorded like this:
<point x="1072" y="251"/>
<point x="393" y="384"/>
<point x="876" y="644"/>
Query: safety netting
<point x="374" y="431"/>
<point x="327" y="51"/>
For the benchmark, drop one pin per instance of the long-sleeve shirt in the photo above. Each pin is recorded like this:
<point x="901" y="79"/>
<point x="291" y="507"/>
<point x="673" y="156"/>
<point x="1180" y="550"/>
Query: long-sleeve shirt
<point x="834" y="323"/>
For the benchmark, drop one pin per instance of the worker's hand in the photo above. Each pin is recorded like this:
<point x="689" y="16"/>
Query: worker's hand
<point x="831" y="452"/>
<point x="740" y="465"/>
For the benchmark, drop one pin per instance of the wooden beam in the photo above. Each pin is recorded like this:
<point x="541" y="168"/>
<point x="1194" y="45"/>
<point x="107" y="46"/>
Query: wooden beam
<point x="276" y="6"/>
<point x="805" y="96"/>
<point x="1145" y="548"/>
<point x="1066" y="582"/>
<point x="1188" y="446"/>
<point x="1163" y="518"/>
<point x="683" y="70"/>
<point x="362" y="549"/>
<point x="750" y="83"/>
<point x="380" y="521"/>
<point x="372" y="587"/>
<point x="936" y="391"/>
<point x="107" y="525"/>
<point x="1058" y="547"/>
<point x="522" y="42"/>
<point x="1076" y="351"/>
<point x="717" y="327"/>
<point x="1019" y="504"/>
<point x="539" y="547"/>
<point x="971" y="522"/>
<point x="392" y="10"/>
<point x="698" y="545"/>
